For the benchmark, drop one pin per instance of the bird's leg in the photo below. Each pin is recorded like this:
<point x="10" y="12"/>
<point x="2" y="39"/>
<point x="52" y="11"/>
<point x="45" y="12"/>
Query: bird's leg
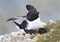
<point x="42" y="30"/>
<point x="30" y="31"/>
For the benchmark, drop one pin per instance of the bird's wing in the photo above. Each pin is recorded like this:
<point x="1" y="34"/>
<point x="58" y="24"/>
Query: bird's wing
<point x="16" y="18"/>
<point x="11" y="19"/>
<point x="23" y="25"/>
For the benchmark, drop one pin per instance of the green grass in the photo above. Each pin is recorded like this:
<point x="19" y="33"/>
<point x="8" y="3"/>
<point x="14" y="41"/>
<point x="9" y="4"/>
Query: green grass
<point x="55" y="34"/>
<point x="51" y="36"/>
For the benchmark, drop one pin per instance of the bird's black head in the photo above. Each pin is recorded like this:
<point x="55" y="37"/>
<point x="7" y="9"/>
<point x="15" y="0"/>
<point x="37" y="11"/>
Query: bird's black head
<point x="32" y="14"/>
<point x="31" y="8"/>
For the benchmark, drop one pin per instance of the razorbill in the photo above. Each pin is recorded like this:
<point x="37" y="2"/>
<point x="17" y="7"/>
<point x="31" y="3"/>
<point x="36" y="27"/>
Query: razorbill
<point x="32" y="24"/>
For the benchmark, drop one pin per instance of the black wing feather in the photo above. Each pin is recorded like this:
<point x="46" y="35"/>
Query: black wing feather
<point x="23" y="25"/>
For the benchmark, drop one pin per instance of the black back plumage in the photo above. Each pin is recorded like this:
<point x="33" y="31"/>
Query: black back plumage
<point x="32" y="14"/>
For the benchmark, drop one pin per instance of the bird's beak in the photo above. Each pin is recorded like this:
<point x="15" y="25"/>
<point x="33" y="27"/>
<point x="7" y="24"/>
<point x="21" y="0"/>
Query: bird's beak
<point x="37" y="13"/>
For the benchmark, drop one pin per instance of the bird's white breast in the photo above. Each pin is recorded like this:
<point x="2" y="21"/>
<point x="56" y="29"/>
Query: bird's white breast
<point x="36" y="24"/>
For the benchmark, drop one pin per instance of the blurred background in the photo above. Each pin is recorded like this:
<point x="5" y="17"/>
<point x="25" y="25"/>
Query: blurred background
<point x="49" y="9"/>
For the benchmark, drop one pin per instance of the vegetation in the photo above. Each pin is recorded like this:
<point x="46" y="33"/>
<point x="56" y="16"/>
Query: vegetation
<point x="53" y="34"/>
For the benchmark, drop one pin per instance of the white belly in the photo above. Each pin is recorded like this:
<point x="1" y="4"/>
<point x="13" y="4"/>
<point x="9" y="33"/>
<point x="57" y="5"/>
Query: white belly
<point x="36" y="24"/>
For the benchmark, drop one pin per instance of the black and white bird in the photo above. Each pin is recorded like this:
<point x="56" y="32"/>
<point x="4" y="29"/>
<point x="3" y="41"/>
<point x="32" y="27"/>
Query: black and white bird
<point x="33" y="23"/>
